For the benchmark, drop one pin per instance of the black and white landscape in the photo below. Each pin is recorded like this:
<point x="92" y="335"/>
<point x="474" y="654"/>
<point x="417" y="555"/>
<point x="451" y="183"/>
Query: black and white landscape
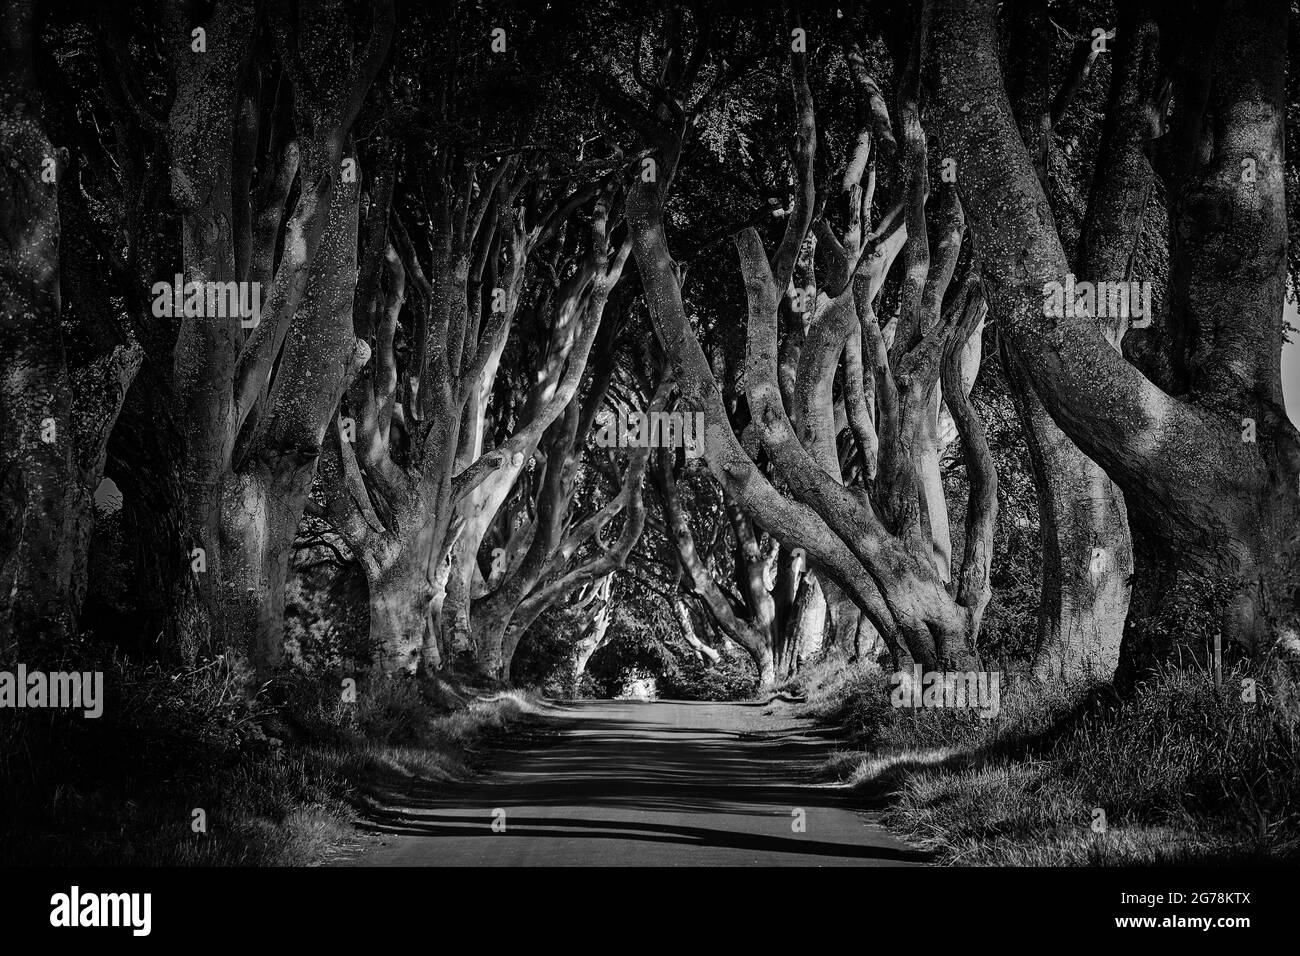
<point x="711" y="433"/>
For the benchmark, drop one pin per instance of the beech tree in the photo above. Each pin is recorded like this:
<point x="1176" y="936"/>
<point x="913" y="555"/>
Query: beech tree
<point x="1188" y="419"/>
<point x="255" y="402"/>
<point x="844" y="238"/>
<point x="70" y="341"/>
<point x="874" y="545"/>
<point x="417" y="483"/>
<point x="1087" y="553"/>
<point x="540" y="540"/>
<point x="572" y="566"/>
<point x="41" y="486"/>
<point x="755" y="632"/>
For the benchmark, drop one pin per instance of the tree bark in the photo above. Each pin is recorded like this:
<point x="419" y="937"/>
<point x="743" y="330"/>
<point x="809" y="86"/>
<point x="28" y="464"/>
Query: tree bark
<point x="593" y="638"/>
<point x="756" y="643"/>
<point x="40" y="492"/>
<point x="1087" y="558"/>
<point x="398" y="577"/>
<point x="255" y="407"/>
<point x="1205" y="506"/>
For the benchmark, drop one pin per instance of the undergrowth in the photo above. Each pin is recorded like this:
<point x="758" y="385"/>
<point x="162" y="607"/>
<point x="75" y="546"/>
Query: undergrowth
<point x="1177" y="771"/>
<point x="181" y="769"/>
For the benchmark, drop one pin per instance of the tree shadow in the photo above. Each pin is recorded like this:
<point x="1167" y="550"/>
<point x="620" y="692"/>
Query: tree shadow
<point x="607" y="771"/>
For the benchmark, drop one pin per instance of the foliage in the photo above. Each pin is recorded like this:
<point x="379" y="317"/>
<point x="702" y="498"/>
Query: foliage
<point x="280" y="778"/>
<point x="628" y="653"/>
<point x="1184" y="771"/>
<point x="732" y="677"/>
<point x="326" y="624"/>
<point x="544" y="659"/>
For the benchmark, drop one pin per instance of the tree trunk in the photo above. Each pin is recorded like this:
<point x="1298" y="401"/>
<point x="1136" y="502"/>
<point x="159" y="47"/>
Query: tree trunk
<point x="255" y="402"/>
<point x="867" y="644"/>
<point x="758" y="644"/>
<point x="1086" y="547"/>
<point x="40" y="494"/>
<point x="701" y="650"/>
<point x="145" y="458"/>
<point x="399" y="599"/>
<point x="1087" y="557"/>
<point x="490" y="627"/>
<point x="594" y="636"/>
<point x="805" y="631"/>
<point x="1206" y="504"/>
<point x="753" y="569"/>
<point x="844" y="620"/>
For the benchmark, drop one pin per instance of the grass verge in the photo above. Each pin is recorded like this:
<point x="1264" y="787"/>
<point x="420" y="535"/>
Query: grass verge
<point x="275" y="781"/>
<point x="1178" y="772"/>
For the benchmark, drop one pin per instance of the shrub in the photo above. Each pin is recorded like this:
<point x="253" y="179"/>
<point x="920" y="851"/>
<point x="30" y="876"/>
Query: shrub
<point x="280" y="778"/>
<point x="732" y="677"/>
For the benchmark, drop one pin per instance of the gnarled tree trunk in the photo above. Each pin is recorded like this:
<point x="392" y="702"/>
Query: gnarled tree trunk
<point x="1207" y="506"/>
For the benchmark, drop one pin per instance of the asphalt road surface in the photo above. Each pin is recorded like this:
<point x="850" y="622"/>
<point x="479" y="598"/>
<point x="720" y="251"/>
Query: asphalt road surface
<point x="630" y="783"/>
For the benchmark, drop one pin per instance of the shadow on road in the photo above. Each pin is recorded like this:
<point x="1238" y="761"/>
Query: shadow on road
<point x="616" y="782"/>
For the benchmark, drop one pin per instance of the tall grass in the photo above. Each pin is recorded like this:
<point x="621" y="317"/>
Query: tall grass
<point x="280" y="780"/>
<point x="1176" y="772"/>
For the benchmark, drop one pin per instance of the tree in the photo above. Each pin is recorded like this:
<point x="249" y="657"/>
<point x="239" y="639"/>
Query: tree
<point x="68" y="367"/>
<point x="1171" y="421"/>
<point x="255" y="402"/>
<point x="1084" y="600"/>
<point x="873" y="546"/>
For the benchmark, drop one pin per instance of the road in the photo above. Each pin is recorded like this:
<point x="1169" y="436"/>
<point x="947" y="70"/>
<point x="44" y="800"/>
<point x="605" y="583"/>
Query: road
<point x="631" y="783"/>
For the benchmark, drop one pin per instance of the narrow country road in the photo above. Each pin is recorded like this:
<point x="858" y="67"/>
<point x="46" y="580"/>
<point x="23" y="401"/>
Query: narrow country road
<point x="628" y="783"/>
